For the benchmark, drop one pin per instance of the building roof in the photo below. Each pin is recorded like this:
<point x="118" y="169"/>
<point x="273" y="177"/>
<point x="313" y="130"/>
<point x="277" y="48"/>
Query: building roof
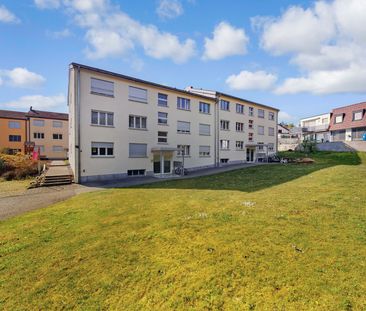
<point x="8" y="114"/>
<point x="347" y="112"/>
<point x="118" y="75"/>
<point x="47" y="115"/>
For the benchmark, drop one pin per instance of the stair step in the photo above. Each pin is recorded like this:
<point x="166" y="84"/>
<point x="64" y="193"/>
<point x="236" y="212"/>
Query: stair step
<point x="56" y="183"/>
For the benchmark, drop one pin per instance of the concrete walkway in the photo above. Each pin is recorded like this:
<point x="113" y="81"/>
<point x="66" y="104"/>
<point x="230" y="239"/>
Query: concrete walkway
<point x="37" y="198"/>
<point x="58" y="168"/>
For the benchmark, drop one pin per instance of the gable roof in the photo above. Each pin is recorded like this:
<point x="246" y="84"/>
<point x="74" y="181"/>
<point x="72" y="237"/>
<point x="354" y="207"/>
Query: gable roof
<point x="8" y="114"/>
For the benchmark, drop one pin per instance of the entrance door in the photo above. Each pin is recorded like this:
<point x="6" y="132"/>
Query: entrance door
<point x="250" y="155"/>
<point x="167" y="167"/>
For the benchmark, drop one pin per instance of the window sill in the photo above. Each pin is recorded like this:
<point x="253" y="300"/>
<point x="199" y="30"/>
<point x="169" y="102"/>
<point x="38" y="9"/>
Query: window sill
<point x="186" y="133"/>
<point x="102" y="157"/>
<point x="163" y="124"/>
<point x="202" y="156"/>
<point x="101" y="125"/>
<point x="183" y="109"/>
<point x="144" y="157"/>
<point x="161" y="106"/>
<point x="205" y="134"/>
<point x="101" y="94"/>
<point x="240" y="131"/>
<point x="185" y="156"/>
<point x="137" y="101"/>
<point x="206" y="113"/>
<point x="163" y="143"/>
<point x="137" y="129"/>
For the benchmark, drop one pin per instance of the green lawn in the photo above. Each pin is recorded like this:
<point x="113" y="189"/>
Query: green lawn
<point x="279" y="237"/>
<point x="14" y="187"/>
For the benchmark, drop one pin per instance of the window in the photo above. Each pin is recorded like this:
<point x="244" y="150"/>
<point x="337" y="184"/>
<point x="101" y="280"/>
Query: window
<point x="224" y="105"/>
<point x="260" y="113"/>
<point x="162" y="100"/>
<point x="57" y="136"/>
<point x="260" y="146"/>
<point x="162" y="137"/>
<point x="102" y="118"/>
<point x="250" y="136"/>
<point x="239" y="145"/>
<point x="270" y="147"/>
<point x="15" y="138"/>
<point x="183" y="103"/>
<point x="204" y="151"/>
<point x="260" y="130"/>
<point x="57" y="123"/>
<point x="38" y="122"/>
<point x="224" y="144"/>
<point x="14" y="124"/>
<point x="271" y="131"/>
<point x="205" y="129"/>
<point x="183" y="127"/>
<point x="204" y="108"/>
<point x="251" y="111"/>
<point x="271" y="115"/>
<point x="137" y="94"/>
<point x="140" y="172"/>
<point x="224" y="160"/>
<point x="357" y="115"/>
<point x="224" y="125"/>
<point x="162" y="118"/>
<point x="239" y="127"/>
<point x="57" y="148"/>
<point x="40" y="147"/>
<point x="184" y="150"/>
<point x="338" y="119"/>
<point x="240" y="108"/>
<point x="38" y="135"/>
<point x="102" y="149"/>
<point x="138" y="150"/>
<point x="137" y="122"/>
<point x="250" y="125"/>
<point x="102" y="87"/>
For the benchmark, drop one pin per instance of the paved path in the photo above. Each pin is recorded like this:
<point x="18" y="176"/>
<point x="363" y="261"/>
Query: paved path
<point x="33" y="199"/>
<point x="58" y="168"/>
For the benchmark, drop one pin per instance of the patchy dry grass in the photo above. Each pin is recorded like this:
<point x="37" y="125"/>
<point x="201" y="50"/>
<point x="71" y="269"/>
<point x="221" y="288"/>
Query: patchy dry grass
<point x="284" y="237"/>
<point x="14" y="187"/>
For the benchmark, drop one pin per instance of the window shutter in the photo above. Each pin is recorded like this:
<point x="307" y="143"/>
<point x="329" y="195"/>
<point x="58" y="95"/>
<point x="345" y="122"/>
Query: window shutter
<point x="204" y="149"/>
<point x="184" y="126"/>
<point x="204" y="129"/>
<point x="102" y="87"/>
<point x="138" y="150"/>
<point x="138" y="94"/>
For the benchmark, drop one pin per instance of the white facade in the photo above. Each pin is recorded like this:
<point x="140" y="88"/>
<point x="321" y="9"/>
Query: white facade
<point x="122" y="126"/>
<point x="316" y="128"/>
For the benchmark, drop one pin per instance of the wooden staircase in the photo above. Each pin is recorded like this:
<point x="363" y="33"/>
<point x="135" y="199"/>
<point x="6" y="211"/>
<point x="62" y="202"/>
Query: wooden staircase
<point x="57" y="174"/>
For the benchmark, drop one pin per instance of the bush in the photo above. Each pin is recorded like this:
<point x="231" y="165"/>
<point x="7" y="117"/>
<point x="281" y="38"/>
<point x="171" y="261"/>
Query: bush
<point x="10" y="175"/>
<point x="17" y="166"/>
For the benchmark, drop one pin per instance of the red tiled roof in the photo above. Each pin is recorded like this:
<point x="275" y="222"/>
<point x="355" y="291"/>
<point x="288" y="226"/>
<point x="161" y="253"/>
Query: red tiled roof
<point x="8" y="114"/>
<point x="347" y="112"/>
<point x="47" y="115"/>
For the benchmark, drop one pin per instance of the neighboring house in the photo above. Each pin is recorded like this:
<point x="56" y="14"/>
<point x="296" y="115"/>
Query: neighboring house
<point x="288" y="138"/>
<point x="44" y="130"/>
<point x="316" y="128"/>
<point x="348" y="123"/>
<point x="13" y="130"/>
<point x="122" y="126"/>
<point x="49" y="132"/>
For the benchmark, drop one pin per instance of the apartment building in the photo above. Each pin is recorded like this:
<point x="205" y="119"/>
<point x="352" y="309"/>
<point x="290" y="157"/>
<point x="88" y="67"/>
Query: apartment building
<point x="348" y="123"/>
<point x="122" y="126"/>
<point x="13" y="126"/>
<point x="288" y="138"/>
<point x="40" y="130"/>
<point x="316" y="128"/>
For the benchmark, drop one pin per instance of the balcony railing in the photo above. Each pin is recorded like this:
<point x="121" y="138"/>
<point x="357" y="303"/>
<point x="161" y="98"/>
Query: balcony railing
<point x="315" y="128"/>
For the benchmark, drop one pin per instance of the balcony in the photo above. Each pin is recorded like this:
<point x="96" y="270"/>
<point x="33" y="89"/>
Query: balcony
<point x="315" y="128"/>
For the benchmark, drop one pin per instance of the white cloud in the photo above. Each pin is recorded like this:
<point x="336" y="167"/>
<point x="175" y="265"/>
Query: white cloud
<point x="38" y="102"/>
<point x="112" y="33"/>
<point x="246" y="80"/>
<point x="283" y="116"/>
<point x="227" y="40"/>
<point x="65" y="33"/>
<point x="8" y="17"/>
<point x="47" y="4"/>
<point x="327" y="42"/>
<point x="22" y="77"/>
<point x="169" y="9"/>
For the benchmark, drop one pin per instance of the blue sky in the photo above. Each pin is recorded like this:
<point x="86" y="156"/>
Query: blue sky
<point x="303" y="57"/>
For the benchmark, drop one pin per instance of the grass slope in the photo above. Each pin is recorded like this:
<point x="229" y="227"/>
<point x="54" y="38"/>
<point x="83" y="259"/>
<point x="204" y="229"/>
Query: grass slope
<point x="281" y="237"/>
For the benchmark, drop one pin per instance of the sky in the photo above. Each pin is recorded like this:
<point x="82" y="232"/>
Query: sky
<point x="302" y="57"/>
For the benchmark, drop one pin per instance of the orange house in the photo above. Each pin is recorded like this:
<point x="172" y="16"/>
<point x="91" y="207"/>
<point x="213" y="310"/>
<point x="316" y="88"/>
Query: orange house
<point x="13" y="133"/>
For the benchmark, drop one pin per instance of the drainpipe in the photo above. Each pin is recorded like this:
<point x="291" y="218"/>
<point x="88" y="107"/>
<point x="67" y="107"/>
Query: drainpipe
<point x="217" y="123"/>
<point x="77" y="121"/>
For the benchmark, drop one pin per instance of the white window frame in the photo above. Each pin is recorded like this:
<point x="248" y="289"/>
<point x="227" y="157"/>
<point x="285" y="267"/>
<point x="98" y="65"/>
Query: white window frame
<point x="271" y="131"/>
<point x="183" y="127"/>
<point x="250" y="136"/>
<point x="239" y="126"/>
<point x="138" y="122"/>
<point x="105" y="88"/>
<point x="144" y="155"/>
<point x="224" y="105"/>
<point x="251" y="111"/>
<point x="14" y="125"/>
<point x="102" y="117"/>
<point x="204" y="151"/>
<point x="12" y="136"/>
<point x="337" y="120"/>
<point x="57" y="122"/>
<point x="57" y="135"/>
<point x="260" y="130"/>
<point x="202" y="106"/>
<point x="38" y="135"/>
<point x="250" y="124"/>
<point x="240" y="108"/>
<point x="102" y="145"/>
<point x="271" y="115"/>
<point x="261" y="113"/>
<point x="162" y="102"/>
<point x="239" y="144"/>
<point x="357" y="113"/>
<point x="38" y="123"/>
<point x="202" y="129"/>
<point x="224" y="144"/>
<point x="162" y="139"/>
<point x="224" y="125"/>
<point x="137" y="94"/>
<point x="162" y="118"/>
<point x="183" y="103"/>
<point x="185" y="148"/>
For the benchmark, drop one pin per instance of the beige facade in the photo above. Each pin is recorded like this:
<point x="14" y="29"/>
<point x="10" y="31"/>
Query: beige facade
<point x="49" y="132"/>
<point x="316" y="128"/>
<point x="122" y="126"/>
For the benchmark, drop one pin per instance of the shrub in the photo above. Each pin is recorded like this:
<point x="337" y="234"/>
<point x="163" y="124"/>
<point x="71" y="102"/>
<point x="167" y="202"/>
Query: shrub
<point x="8" y="175"/>
<point x="17" y="166"/>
